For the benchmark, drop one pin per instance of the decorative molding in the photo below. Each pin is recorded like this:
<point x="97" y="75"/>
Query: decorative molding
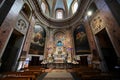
<point x="97" y="24"/>
<point x="21" y="25"/>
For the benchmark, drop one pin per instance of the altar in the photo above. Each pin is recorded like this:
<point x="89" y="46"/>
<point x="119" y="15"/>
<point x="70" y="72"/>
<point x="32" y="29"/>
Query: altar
<point x="59" y="57"/>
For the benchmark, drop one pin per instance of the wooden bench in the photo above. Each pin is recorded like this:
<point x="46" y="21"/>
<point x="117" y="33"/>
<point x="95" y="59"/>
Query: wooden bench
<point x="35" y="72"/>
<point x="99" y="76"/>
<point x="85" y="71"/>
<point x="20" y="74"/>
<point x="16" y="78"/>
<point x="90" y="75"/>
<point x="35" y="68"/>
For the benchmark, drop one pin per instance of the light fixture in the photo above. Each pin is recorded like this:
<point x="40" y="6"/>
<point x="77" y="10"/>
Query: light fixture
<point x="89" y="13"/>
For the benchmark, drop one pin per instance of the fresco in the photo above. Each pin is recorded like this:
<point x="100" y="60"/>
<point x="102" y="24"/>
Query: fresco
<point x="81" y="41"/>
<point x="38" y="40"/>
<point x="59" y="39"/>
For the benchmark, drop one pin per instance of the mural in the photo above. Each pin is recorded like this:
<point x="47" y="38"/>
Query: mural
<point x="38" y="40"/>
<point x="59" y="36"/>
<point x="81" y="41"/>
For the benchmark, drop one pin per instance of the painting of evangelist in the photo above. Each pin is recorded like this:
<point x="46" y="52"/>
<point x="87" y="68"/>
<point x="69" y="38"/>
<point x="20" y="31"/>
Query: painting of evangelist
<point x="38" y="40"/>
<point x="81" y="41"/>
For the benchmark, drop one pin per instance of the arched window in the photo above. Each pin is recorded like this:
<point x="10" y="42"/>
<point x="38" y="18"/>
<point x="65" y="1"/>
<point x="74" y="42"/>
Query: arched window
<point x="59" y="14"/>
<point x="43" y="7"/>
<point x="74" y="7"/>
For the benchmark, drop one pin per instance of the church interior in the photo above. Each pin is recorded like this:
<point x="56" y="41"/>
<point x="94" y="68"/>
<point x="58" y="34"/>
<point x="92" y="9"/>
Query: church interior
<point x="59" y="39"/>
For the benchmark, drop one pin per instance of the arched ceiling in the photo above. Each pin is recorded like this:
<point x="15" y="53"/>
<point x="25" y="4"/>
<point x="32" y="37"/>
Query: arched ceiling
<point x="54" y="5"/>
<point x="59" y="4"/>
<point x="69" y="2"/>
<point x="64" y="4"/>
<point x="50" y="3"/>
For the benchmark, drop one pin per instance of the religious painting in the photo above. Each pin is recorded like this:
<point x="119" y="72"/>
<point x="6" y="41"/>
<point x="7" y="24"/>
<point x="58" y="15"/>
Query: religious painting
<point x="59" y="39"/>
<point x="81" y="41"/>
<point x="38" y="40"/>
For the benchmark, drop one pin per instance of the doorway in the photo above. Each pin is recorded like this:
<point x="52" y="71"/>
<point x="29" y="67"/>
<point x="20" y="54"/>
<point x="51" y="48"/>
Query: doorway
<point x="83" y="61"/>
<point x="11" y="53"/>
<point x="107" y="50"/>
<point x="34" y="61"/>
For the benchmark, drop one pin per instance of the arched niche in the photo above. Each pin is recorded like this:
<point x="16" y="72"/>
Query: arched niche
<point x="81" y="40"/>
<point x="26" y="10"/>
<point x="38" y="40"/>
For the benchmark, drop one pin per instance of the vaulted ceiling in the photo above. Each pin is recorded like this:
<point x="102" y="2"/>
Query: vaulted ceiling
<point x="50" y="7"/>
<point x="47" y="11"/>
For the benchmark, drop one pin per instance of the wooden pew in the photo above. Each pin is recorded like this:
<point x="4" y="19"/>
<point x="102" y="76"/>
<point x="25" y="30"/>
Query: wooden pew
<point x="35" y="72"/>
<point x="34" y="69"/>
<point x="16" y="78"/>
<point x="20" y="74"/>
<point x="90" y="75"/>
<point x="100" y="76"/>
<point x="85" y="71"/>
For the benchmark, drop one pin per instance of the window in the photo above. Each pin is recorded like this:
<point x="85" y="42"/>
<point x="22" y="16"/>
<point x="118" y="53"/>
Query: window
<point x="74" y="7"/>
<point x="91" y="10"/>
<point x="43" y="7"/>
<point x="59" y="14"/>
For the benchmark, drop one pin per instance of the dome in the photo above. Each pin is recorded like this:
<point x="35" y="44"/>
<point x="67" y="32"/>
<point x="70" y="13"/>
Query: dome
<point x="58" y="9"/>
